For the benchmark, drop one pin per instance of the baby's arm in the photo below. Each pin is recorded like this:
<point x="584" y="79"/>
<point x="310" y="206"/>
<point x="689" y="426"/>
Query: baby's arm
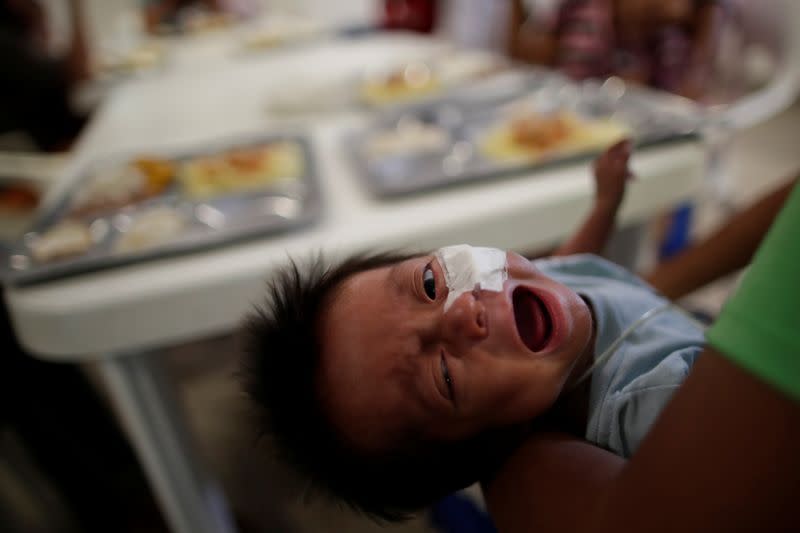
<point x="610" y="175"/>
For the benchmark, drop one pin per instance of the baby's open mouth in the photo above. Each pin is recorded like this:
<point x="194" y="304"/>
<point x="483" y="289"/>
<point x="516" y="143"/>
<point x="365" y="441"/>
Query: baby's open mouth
<point x="534" y="324"/>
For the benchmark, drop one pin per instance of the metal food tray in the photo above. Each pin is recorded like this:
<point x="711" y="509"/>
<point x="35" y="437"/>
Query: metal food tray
<point x="210" y="222"/>
<point x="654" y="118"/>
<point x="481" y="90"/>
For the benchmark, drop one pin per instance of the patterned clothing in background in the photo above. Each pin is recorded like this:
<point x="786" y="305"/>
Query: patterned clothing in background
<point x="585" y="30"/>
<point x="588" y="46"/>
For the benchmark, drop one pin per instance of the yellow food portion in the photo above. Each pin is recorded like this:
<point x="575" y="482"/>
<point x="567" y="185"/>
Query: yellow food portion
<point x="384" y="93"/>
<point x="535" y="137"/>
<point x="413" y="81"/>
<point x="242" y="170"/>
<point x="143" y="57"/>
<point x="118" y="186"/>
<point x="158" y="174"/>
<point x="264" y="40"/>
<point x="208" y="21"/>
<point x="281" y="33"/>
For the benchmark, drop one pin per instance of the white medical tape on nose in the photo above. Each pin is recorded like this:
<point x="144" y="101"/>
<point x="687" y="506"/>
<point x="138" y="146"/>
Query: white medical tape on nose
<point x="467" y="267"/>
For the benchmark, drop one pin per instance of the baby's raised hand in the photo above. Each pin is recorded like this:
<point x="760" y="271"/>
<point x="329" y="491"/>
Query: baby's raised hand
<point x="611" y="173"/>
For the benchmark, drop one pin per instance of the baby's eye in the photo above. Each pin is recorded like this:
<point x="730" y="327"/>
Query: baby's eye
<point x="429" y="282"/>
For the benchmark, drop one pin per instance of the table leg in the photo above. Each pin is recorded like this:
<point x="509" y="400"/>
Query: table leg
<point x="190" y="500"/>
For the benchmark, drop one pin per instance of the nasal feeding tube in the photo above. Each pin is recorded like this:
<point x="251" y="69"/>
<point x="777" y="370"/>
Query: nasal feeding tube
<point x="646" y="317"/>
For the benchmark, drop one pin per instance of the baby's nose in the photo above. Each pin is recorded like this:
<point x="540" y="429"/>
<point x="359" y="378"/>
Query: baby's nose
<point x="466" y="318"/>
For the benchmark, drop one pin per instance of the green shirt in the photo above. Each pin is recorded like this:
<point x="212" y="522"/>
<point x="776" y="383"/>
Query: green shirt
<point x="759" y="327"/>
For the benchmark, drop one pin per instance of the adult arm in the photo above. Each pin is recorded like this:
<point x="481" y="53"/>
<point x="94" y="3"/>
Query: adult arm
<point x="722" y="456"/>
<point x="727" y="250"/>
<point x="611" y="174"/>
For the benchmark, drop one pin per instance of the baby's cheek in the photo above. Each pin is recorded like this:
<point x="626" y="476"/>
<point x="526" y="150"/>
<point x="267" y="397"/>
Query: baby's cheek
<point x="528" y="390"/>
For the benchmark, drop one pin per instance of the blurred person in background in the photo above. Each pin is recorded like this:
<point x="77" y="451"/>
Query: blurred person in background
<point x="666" y="44"/>
<point x="161" y="14"/>
<point x="51" y="409"/>
<point x="73" y="441"/>
<point x="415" y="15"/>
<point x="178" y="16"/>
<point x="669" y="45"/>
<point x="35" y="87"/>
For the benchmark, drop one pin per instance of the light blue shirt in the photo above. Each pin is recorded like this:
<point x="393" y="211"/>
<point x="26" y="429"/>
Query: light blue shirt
<point x="631" y="388"/>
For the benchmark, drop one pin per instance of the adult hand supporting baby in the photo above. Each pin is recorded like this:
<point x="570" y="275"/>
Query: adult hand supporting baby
<point x="721" y="457"/>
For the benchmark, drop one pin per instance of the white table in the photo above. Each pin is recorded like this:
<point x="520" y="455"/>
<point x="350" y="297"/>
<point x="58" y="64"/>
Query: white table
<point x="120" y="317"/>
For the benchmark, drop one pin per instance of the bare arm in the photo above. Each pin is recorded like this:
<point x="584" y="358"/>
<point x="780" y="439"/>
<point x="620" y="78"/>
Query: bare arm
<point x="546" y="480"/>
<point x="729" y="249"/>
<point x="722" y="457"/>
<point x="611" y="174"/>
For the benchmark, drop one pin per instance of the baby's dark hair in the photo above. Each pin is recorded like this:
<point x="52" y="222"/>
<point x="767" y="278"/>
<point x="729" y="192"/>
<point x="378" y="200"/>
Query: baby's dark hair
<point x="281" y="375"/>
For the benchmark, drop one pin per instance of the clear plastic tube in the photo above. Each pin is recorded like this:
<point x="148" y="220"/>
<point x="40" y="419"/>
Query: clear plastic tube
<point x="646" y="317"/>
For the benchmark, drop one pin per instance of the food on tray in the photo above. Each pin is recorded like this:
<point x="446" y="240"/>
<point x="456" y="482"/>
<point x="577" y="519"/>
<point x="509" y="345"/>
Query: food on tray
<point x="460" y="67"/>
<point x="418" y="80"/>
<point x="408" y="138"/>
<point x="140" y="58"/>
<point x="151" y="228"/>
<point x="115" y="187"/>
<point x="202" y="21"/>
<point x="414" y="80"/>
<point x="242" y="169"/>
<point x="158" y="174"/>
<point x="541" y="135"/>
<point x="17" y="197"/>
<point x="65" y="239"/>
<point x="280" y="29"/>
<point x="267" y="38"/>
